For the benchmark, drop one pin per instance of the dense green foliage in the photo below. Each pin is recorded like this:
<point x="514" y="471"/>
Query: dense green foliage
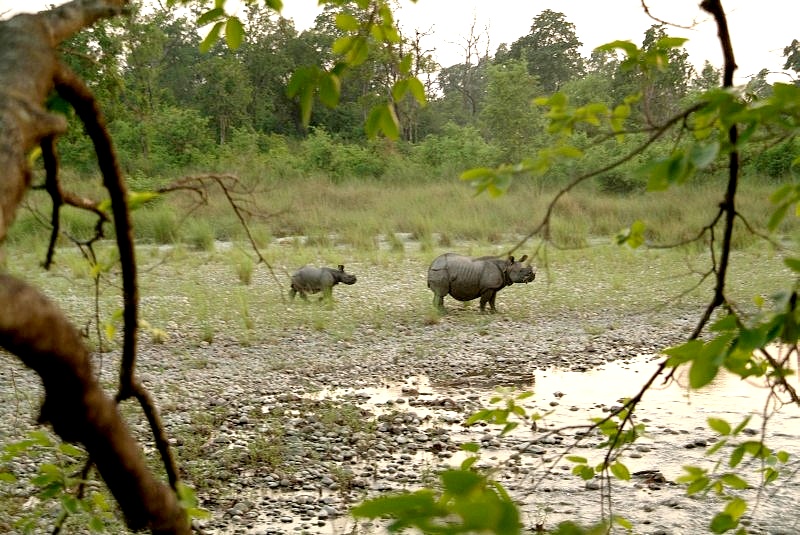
<point x="173" y="109"/>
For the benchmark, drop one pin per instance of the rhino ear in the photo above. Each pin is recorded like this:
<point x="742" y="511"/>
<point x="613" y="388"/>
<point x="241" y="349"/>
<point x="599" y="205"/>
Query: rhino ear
<point x="341" y="267"/>
<point x="511" y="259"/>
<point x="524" y="257"/>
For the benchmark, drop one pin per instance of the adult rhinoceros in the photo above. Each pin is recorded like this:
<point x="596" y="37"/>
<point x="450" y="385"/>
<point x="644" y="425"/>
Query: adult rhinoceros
<point x="466" y="278"/>
<point x="310" y="280"/>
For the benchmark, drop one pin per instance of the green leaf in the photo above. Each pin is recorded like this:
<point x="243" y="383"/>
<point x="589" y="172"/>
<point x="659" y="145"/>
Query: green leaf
<point x="382" y="118"/>
<point x="625" y="523"/>
<point x="51" y="490"/>
<point x="793" y="264"/>
<point x="628" y="47"/>
<point x="96" y="525"/>
<point x="469" y="462"/>
<point x="477" y="173"/>
<point x="329" y="90"/>
<point x="7" y="477"/>
<point x="770" y="475"/>
<point x="734" y="481"/>
<point x="777" y="216"/>
<point x="417" y="90"/>
<point x="736" y="456"/>
<point x="585" y="472"/>
<point x="720" y="426"/>
<point x="577" y="459"/>
<point x="702" y="372"/>
<point x="671" y="42"/>
<point x="420" y="503"/>
<point x="210" y="16"/>
<point x="101" y="504"/>
<point x="697" y="485"/>
<point x="70" y="504"/>
<point x="510" y="426"/>
<point x="358" y="51"/>
<point x="234" y="33"/>
<point x="405" y="64"/>
<point x="50" y="469"/>
<point x="69" y="449"/>
<point x="399" y="89"/>
<point x="137" y="199"/>
<point x="41" y="438"/>
<point x="736" y="508"/>
<point x="471" y="447"/>
<point x="706" y="365"/>
<point x="461" y="482"/>
<point x="347" y="22"/>
<point x="716" y="447"/>
<point x="483" y="414"/>
<point x="683" y="353"/>
<point x="723" y="522"/>
<point x="342" y="45"/>
<point x="211" y="37"/>
<point x="634" y="236"/>
<point x="620" y="471"/>
<point x="742" y="425"/>
<point x="703" y="155"/>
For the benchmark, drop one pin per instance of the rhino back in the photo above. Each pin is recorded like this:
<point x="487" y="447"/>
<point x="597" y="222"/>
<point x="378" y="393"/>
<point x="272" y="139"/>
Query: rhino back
<point x="312" y="279"/>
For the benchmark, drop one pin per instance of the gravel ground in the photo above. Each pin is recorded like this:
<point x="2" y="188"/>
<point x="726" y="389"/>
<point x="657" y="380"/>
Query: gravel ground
<point x="284" y="434"/>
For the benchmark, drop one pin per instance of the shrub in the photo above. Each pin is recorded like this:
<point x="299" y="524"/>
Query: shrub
<point x="318" y="150"/>
<point x="356" y="161"/>
<point x="156" y="224"/>
<point x="456" y="149"/>
<point x="777" y="161"/>
<point x="199" y="234"/>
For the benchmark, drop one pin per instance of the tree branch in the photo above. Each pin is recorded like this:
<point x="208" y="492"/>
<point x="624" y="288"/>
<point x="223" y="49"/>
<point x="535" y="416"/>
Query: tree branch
<point x="33" y="328"/>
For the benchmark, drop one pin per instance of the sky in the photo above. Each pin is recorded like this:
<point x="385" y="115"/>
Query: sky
<point x="760" y="29"/>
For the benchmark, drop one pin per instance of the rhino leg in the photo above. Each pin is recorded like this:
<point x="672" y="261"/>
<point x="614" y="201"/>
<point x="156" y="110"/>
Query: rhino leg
<point x="491" y="302"/>
<point x="292" y="293"/>
<point x="327" y="294"/>
<point x="302" y="294"/>
<point x="488" y="297"/>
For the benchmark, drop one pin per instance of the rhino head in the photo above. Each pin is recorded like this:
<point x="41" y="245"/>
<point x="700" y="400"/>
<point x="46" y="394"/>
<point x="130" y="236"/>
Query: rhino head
<point x="343" y="276"/>
<point x="518" y="272"/>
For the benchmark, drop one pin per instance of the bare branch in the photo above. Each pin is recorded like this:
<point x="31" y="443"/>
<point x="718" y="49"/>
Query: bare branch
<point x="75" y="404"/>
<point x="544" y="226"/>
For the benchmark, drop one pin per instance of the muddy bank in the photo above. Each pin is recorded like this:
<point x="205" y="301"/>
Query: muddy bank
<point x="284" y="436"/>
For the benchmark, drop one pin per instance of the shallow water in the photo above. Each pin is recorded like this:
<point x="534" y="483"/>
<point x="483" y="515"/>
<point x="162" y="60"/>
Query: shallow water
<point x="677" y="434"/>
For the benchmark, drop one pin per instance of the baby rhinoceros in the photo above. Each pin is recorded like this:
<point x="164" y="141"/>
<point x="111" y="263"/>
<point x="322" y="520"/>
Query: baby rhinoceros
<point x="466" y="278"/>
<point x="311" y="280"/>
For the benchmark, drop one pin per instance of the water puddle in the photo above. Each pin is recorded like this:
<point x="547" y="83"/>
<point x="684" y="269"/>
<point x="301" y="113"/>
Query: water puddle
<point x="536" y="472"/>
<point x="569" y="395"/>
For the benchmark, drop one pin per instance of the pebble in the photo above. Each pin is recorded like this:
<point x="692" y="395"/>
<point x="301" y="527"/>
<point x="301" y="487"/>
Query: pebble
<point x="320" y="455"/>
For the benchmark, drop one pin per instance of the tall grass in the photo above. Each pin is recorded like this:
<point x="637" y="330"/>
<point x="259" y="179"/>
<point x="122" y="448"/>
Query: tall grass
<point x="357" y="212"/>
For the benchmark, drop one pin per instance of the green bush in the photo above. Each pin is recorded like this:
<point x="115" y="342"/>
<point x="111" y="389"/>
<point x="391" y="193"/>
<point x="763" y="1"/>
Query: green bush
<point x="172" y="139"/>
<point x="199" y="234"/>
<point x="318" y="150"/>
<point x="776" y="162"/>
<point x="356" y="161"/>
<point x="620" y="182"/>
<point x="458" y="148"/>
<point x="156" y="224"/>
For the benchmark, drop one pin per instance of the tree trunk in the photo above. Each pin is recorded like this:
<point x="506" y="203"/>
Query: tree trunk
<point x="32" y="327"/>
